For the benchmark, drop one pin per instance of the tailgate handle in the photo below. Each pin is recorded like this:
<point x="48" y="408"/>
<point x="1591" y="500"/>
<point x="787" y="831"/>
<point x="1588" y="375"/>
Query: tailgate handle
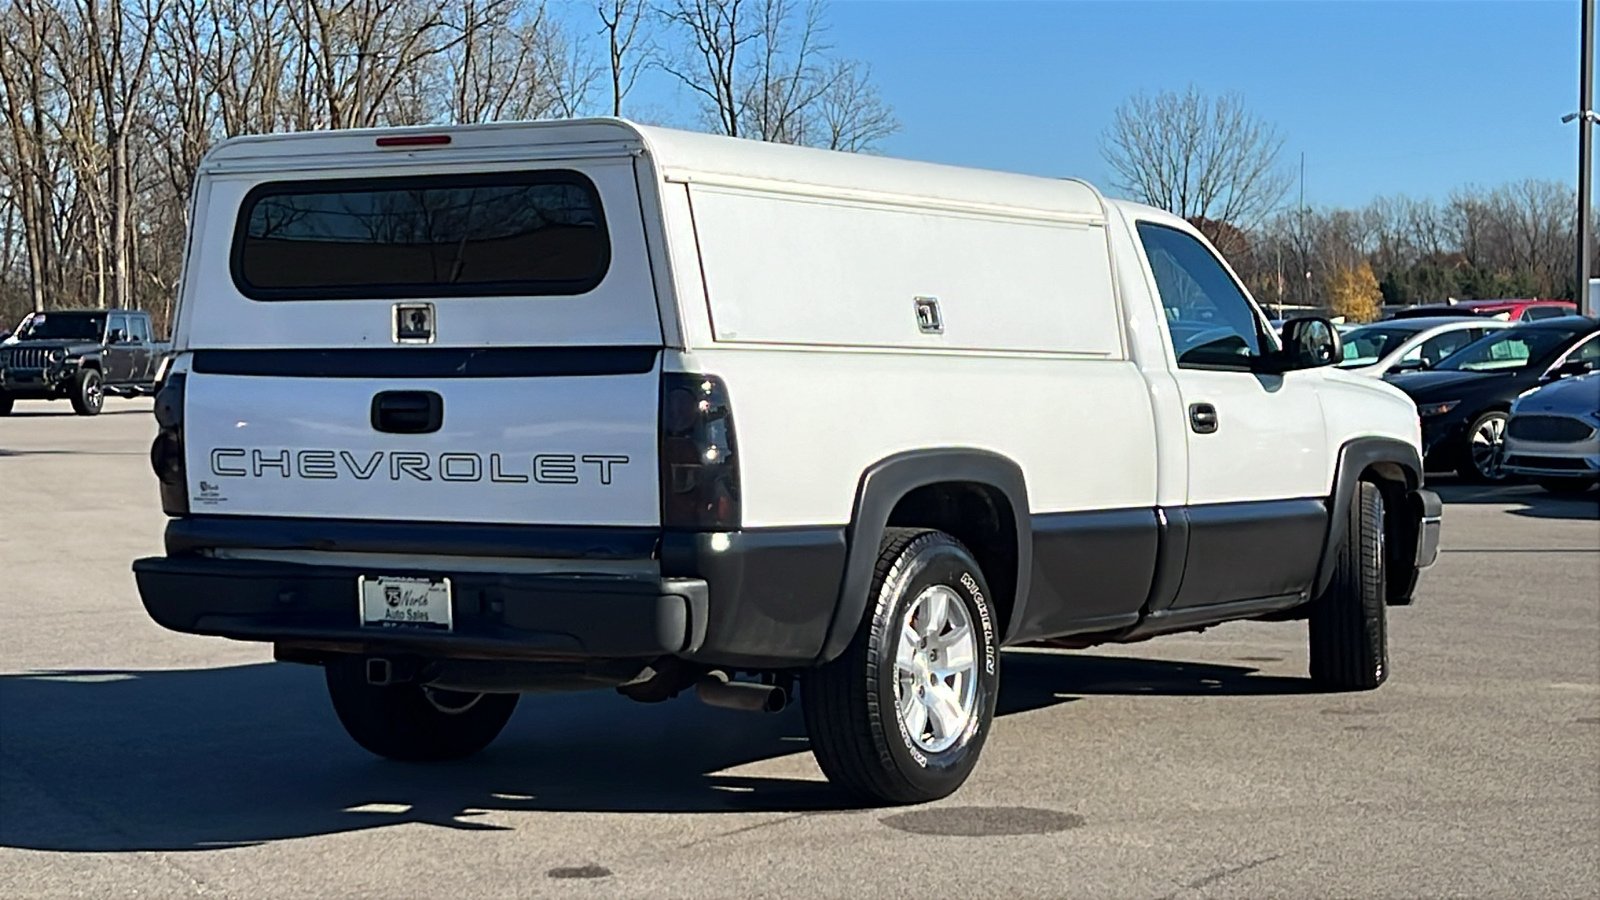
<point x="408" y="412"/>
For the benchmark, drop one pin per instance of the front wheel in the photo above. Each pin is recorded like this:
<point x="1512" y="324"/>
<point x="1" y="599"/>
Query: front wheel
<point x="88" y="396"/>
<point x="902" y="714"/>
<point x="1348" y="627"/>
<point x="1566" y="485"/>
<point x="6" y="403"/>
<point x="411" y="722"/>
<point x="1483" y="456"/>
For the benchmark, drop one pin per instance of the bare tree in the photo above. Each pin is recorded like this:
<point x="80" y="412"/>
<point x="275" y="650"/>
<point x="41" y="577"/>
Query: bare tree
<point x="629" y="44"/>
<point x="763" y="69"/>
<point x="513" y="62"/>
<point x="850" y="111"/>
<point x="27" y="29"/>
<point x="717" y="32"/>
<point x="355" y="56"/>
<point x="567" y="71"/>
<point x="786" y="77"/>
<point x="1196" y="156"/>
<point x="119" y="68"/>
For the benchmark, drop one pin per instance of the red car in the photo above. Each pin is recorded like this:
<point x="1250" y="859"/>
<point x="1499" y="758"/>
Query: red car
<point x="1504" y="310"/>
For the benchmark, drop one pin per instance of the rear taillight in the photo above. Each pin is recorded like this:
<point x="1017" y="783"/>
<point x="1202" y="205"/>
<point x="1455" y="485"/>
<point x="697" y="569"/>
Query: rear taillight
<point x="166" y="454"/>
<point x="699" y="457"/>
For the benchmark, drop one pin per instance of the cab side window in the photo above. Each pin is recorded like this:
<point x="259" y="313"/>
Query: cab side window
<point x="139" y="329"/>
<point x="1211" y="322"/>
<point x="118" y="323"/>
<point x="1588" y="351"/>
<point x="1437" y="348"/>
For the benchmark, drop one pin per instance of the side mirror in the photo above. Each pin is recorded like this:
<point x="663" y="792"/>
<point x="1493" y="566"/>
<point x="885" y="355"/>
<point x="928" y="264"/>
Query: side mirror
<point x="1409" y="365"/>
<point x="1309" y="342"/>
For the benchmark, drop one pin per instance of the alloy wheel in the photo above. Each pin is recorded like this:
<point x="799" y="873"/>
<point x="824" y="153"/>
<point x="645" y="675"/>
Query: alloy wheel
<point x="936" y="670"/>
<point x="1487" y="446"/>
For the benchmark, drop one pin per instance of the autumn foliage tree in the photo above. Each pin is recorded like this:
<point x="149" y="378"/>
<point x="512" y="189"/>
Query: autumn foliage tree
<point x="1353" y="293"/>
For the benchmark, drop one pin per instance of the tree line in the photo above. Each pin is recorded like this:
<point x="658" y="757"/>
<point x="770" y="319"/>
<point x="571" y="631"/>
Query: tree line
<point x="107" y="106"/>
<point x="1212" y="161"/>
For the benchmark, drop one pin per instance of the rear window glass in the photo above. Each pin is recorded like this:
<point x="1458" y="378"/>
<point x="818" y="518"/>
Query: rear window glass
<point x="490" y="234"/>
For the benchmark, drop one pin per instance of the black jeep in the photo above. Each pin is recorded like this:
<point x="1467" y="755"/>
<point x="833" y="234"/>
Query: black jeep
<point x="81" y="355"/>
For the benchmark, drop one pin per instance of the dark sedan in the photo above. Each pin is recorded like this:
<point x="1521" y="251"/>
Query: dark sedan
<point x="1465" y="400"/>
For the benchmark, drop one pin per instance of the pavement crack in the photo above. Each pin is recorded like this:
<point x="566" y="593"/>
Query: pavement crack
<point x="737" y="831"/>
<point x="1220" y="874"/>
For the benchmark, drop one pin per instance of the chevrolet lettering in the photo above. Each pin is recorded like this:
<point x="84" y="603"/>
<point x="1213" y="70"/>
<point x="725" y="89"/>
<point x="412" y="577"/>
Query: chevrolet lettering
<point x="541" y="468"/>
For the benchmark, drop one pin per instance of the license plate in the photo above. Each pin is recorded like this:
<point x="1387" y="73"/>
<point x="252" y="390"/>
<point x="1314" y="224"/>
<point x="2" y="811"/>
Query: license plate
<point x="395" y="602"/>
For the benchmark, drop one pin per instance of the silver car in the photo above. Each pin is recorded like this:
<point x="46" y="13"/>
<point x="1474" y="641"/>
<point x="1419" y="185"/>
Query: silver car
<point x="1408" y="345"/>
<point x="1554" y="435"/>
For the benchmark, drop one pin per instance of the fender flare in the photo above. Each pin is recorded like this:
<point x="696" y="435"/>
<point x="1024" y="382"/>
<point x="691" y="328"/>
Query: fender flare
<point x="1355" y="457"/>
<point x="882" y="486"/>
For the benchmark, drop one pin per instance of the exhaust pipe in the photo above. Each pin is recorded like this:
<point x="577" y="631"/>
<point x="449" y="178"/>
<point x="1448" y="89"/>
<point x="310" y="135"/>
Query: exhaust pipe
<point x="714" y="689"/>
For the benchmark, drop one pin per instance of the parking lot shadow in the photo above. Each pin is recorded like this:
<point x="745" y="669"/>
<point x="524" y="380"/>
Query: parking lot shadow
<point x="211" y="758"/>
<point x="1526" y="500"/>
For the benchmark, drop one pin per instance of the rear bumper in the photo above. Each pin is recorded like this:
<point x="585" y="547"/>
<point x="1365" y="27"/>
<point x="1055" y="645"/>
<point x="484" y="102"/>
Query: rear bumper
<point x="496" y="616"/>
<point x="754" y="599"/>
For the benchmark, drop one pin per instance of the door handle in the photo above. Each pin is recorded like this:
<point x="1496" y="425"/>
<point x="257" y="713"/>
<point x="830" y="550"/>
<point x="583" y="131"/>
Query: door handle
<point x="1202" y="418"/>
<point x="407" y="412"/>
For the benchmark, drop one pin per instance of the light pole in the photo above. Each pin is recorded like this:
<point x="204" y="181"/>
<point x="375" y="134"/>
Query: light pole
<point x="1586" y="117"/>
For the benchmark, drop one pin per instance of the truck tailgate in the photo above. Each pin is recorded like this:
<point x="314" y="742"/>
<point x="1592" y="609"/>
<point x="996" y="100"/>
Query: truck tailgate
<point x="560" y="450"/>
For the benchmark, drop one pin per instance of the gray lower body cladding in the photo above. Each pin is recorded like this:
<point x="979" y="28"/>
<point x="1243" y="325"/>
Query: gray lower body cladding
<point x="752" y="599"/>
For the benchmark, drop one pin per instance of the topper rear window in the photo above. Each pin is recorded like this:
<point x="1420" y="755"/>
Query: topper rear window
<point x="484" y="234"/>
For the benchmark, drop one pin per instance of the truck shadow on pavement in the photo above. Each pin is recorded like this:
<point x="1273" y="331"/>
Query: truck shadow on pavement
<point x="213" y="758"/>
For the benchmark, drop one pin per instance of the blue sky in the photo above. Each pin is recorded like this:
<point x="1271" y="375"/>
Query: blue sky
<point x="1382" y="97"/>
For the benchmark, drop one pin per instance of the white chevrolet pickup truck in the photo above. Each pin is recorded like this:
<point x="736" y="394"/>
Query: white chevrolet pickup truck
<point x="461" y="413"/>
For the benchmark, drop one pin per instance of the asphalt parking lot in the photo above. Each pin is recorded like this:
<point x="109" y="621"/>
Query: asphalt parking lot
<point x="138" y="762"/>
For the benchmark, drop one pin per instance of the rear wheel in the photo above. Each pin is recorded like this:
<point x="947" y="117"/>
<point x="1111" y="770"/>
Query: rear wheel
<point x="411" y="722"/>
<point x="1348" y="627"/>
<point x="1566" y="485"/>
<point x="88" y="396"/>
<point x="1483" y="453"/>
<point x="902" y="714"/>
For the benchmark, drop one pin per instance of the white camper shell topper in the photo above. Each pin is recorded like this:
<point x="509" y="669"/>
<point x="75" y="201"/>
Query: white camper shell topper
<point x="458" y="413"/>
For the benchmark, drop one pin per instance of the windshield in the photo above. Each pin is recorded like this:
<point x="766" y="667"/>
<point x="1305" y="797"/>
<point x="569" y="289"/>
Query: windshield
<point x="1506" y="351"/>
<point x="62" y="327"/>
<point x="1365" y="346"/>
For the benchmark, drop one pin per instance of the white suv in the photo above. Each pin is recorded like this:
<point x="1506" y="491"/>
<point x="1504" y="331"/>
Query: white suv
<point x="452" y="414"/>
